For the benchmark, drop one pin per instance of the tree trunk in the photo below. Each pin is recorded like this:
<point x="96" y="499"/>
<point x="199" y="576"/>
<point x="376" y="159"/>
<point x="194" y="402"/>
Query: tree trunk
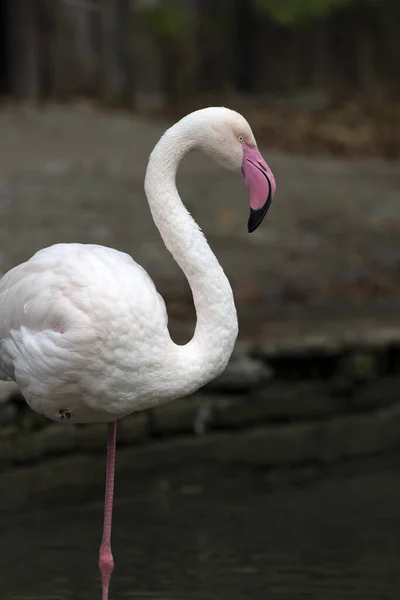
<point x="85" y="51"/>
<point x="244" y="45"/>
<point x="190" y="57"/>
<point x="125" y="22"/>
<point x="365" y="61"/>
<point x="292" y="60"/>
<point x="25" y="49"/>
<point x="320" y="66"/>
<point x="112" y="78"/>
<point x="214" y="72"/>
<point x="170" y="54"/>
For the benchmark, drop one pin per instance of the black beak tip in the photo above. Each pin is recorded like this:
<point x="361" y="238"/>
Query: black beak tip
<point x="256" y="216"/>
<point x="253" y="221"/>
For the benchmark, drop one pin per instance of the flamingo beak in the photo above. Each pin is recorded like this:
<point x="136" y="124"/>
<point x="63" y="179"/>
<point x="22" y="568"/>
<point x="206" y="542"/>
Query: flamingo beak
<point x="260" y="182"/>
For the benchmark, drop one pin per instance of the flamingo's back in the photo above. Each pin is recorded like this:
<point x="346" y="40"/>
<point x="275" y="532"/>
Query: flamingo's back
<point x="80" y="326"/>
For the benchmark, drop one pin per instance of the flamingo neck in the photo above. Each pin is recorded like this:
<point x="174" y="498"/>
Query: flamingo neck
<point x="208" y="352"/>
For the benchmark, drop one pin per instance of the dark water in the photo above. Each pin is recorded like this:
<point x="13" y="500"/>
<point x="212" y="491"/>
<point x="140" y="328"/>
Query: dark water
<point x="201" y="533"/>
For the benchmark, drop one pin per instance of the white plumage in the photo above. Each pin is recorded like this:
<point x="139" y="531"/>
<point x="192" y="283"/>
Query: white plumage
<point x="83" y="330"/>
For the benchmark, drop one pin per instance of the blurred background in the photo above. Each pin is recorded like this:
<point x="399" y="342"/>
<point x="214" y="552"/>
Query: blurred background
<point x="280" y="479"/>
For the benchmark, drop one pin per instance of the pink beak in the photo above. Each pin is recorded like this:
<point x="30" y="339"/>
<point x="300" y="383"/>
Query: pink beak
<point x="260" y="182"/>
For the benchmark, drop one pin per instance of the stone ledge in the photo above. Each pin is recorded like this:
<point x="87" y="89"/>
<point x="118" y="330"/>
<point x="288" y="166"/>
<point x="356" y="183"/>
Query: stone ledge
<point x="314" y="418"/>
<point x="320" y="442"/>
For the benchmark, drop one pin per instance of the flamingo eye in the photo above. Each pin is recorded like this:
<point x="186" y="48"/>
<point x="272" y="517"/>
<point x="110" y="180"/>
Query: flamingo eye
<point x="240" y="138"/>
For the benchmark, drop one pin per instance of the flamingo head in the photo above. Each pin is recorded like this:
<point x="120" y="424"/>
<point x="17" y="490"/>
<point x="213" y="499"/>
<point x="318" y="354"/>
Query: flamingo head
<point x="226" y="136"/>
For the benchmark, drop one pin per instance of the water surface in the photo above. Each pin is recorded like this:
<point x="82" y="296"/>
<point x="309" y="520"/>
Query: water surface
<point x="201" y="533"/>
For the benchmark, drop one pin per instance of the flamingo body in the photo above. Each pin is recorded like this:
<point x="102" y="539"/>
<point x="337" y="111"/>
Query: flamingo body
<point x="82" y="329"/>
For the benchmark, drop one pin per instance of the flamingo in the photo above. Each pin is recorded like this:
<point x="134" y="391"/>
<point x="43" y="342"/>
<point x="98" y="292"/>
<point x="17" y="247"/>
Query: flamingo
<point x="83" y="330"/>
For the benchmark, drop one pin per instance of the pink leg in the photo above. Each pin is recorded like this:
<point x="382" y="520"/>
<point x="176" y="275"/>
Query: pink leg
<point x="106" y="561"/>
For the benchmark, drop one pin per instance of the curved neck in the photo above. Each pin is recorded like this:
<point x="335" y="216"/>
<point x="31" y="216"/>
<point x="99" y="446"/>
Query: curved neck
<point x="207" y="354"/>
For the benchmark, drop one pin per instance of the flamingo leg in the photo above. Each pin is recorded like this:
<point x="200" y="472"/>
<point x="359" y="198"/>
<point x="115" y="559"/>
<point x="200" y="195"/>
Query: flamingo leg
<point x="106" y="560"/>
